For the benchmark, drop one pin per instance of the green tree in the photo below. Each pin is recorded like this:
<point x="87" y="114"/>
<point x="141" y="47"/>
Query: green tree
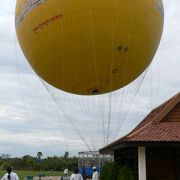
<point x="5" y="165"/>
<point x="5" y="156"/>
<point x="66" y="154"/>
<point x="39" y="155"/>
<point x="30" y="163"/>
<point x="27" y="162"/>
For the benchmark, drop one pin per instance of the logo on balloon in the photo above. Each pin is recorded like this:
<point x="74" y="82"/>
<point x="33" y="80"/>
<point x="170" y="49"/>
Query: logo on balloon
<point x="47" y="22"/>
<point x="160" y="8"/>
<point x="27" y="7"/>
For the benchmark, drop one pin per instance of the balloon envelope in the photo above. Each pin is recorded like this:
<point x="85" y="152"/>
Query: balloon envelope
<point x="89" y="47"/>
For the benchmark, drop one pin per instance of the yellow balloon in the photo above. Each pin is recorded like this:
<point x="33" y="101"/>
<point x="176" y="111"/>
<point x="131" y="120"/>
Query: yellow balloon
<point x="89" y="47"/>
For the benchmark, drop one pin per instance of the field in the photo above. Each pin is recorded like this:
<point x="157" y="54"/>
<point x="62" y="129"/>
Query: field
<point x="23" y="174"/>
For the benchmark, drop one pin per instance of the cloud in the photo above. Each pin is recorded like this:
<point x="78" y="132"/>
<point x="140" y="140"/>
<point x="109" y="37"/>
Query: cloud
<point x="33" y="119"/>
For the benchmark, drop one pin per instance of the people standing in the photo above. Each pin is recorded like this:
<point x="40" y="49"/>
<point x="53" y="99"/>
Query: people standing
<point x="10" y="175"/>
<point x="95" y="175"/>
<point x="76" y="175"/>
<point x="65" y="172"/>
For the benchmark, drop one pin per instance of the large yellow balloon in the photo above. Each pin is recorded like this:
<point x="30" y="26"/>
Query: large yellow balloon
<point x="89" y="46"/>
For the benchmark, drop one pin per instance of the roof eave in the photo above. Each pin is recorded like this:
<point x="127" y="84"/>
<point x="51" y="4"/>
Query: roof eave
<point x="132" y="144"/>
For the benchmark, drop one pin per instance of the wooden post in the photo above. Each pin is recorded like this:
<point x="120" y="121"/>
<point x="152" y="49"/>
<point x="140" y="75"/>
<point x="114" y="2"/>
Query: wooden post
<point x="142" y="162"/>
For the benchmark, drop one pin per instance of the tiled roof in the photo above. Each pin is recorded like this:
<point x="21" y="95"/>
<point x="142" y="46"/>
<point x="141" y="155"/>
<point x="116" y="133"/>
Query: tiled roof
<point x="164" y="131"/>
<point x="161" y="125"/>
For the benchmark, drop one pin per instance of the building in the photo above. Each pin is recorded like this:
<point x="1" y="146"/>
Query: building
<point x="152" y="149"/>
<point x="88" y="159"/>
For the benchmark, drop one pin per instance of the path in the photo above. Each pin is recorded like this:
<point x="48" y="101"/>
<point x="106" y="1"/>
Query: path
<point x="51" y="178"/>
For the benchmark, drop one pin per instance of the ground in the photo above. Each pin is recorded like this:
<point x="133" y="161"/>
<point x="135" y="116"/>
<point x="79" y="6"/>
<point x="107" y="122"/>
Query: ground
<point x="51" y="178"/>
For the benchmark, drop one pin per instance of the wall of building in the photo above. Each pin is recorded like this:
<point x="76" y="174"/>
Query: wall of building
<point x="128" y="157"/>
<point x="163" y="163"/>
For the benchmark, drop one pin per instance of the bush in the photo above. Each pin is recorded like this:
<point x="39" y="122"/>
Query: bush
<point x="112" y="171"/>
<point x="109" y="171"/>
<point x="5" y="165"/>
<point x="125" y="173"/>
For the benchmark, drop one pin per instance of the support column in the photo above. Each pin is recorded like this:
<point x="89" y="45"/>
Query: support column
<point x="142" y="162"/>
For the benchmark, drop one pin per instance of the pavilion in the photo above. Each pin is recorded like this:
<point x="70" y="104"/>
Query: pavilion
<point x="152" y="149"/>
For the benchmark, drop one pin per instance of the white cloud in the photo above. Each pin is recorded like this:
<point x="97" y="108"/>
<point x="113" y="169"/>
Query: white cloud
<point x="30" y="120"/>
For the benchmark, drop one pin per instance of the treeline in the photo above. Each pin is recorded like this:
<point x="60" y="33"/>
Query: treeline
<point x="27" y="162"/>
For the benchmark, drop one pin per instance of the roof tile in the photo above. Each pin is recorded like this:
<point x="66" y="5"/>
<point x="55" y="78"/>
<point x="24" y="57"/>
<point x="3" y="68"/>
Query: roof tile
<point x="161" y="124"/>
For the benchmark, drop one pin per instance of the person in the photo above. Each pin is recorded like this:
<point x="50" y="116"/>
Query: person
<point x="10" y="175"/>
<point x="76" y="175"/>
<point x="65" y="172"/>
<point x="95" y="174"/>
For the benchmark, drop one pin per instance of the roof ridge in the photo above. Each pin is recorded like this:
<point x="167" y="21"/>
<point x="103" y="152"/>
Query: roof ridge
<point x="154" y="110"/>
<point x="171" y="103"/>
<point x="169" y="107"/>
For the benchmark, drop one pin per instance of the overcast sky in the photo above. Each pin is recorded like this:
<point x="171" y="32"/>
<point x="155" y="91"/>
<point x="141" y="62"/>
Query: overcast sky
<point x="35" y="117"/>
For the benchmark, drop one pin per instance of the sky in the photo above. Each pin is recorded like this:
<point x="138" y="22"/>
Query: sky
<point x="35" y="117"/>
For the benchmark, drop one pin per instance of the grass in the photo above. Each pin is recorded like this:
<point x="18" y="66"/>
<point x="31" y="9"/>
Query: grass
<point x="23" y="174"/>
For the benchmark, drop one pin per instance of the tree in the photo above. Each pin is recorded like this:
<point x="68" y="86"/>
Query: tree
<point x="66" y="154"/>
<point x="5" y="165"/>
<point x="30" y="163"/>
<point x="39" y="155"/>
<point x="5" y="156"/>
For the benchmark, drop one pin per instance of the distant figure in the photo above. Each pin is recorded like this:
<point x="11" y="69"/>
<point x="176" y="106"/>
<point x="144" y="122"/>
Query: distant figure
<point x="83" y="173"/>
<point x="65" y="172"/>
<point x="10" y="175"/>
<point x="76" y="175"/>
<point x="95" y="175"/>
